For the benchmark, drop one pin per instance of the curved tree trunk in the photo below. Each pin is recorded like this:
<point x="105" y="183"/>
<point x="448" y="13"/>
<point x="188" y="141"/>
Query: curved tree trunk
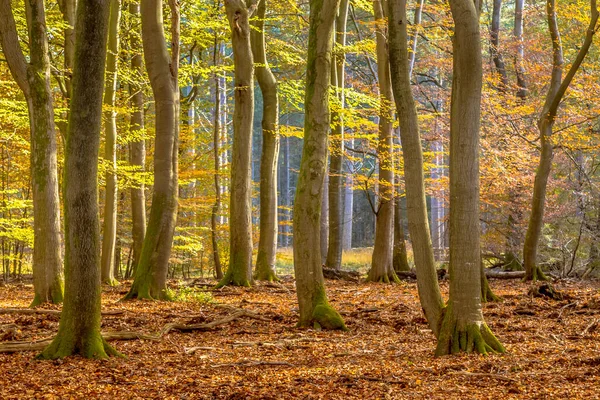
<point x="382" y="269"/>
<point x="79" y="327"/>
<point x="109" y="233"/>
<point x="412" y="152"/>
<point x="239" y="272"/>
<point x="34" y="80"/>
<point x="463" y="326"/>
<point x="336" y="156"/>
<point x="151" y="273"/>
<point x="556" y="91"/>
<point x="137" y="148"/>
<point x="267" y="245"/>
<point x="310" y="285"/>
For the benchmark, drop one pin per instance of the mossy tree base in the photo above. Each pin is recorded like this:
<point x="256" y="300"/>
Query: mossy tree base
<point x="234" y="279"/>
<point x="535" y="274"/>
<point x="389" y="277"/>
<point x="469" y="337"/>
<point x="267" y="275"/>
<point x="65" y="344"/>
<point x="142" y="290"/>
<point x="326" y="317"/>
<point x="55" y="296"/>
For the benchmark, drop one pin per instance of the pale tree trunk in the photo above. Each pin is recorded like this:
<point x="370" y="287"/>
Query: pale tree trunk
<point x="463" y="327"/>
<point x="324" y="229"/>
<point x="214" y="217"/>
<point x="336" y="156"/>
<point x="495" y="44"/>
<point x="239" y="272"/>
<point x="556" y="91"/>
<point x="400" y="256"/>
<point x="109" y="233"/>
<point x="520" y="55"/>
<point x="310" y="286"/>
<point x="267" y="245"/>
<point x="34" y="80"/>
<point x="137" y="148"/>
<point x="79" y="327"/>
<point x="412" y="152"/>
<point x="151" y="273"/>
<point x="382" y="269"/>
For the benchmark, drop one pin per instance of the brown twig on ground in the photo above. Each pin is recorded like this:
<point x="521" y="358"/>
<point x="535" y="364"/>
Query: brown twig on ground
<point x="49" y="312"/>
<point x="253" y="363"/>
<point x="483" y="375"/>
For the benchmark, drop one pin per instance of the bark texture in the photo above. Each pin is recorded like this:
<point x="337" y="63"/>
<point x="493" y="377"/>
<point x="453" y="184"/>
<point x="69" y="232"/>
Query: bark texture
<point x="520" y="55"/>
<point x="267" y="245"/>
<point x="463" y="327"/>
<point x="495" y="44"/>
<point x="556" y="92"/>
<point x="412" y="152"/>
<point x="34" y="80"/>
<point x="239" y="272"/>
<point x="151" y="272"/>
<point x="310" y="286"/>
<point x="382" y="269"/>
<point x="79" y="327"/>
<point x="109" y="233"/>
<point x="214" y="216"/>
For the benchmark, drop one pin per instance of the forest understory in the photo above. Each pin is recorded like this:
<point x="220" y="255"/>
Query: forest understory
<point x="553" y="347"/>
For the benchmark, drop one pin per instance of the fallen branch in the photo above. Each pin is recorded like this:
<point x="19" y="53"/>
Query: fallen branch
<point x="253" y="363"/>
<point x="441" y="273"/>
<point x="49" y="312"/>
<point x="192" y="350"/>
<point x="374" y="379"/>
<point x="483" y="375"/>
<point x="590" y="328"/>
<point x="495" y="274"/>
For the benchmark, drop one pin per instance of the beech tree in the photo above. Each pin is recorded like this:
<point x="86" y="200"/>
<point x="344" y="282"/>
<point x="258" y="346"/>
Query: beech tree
<point x="151" y="272"/>
<point x="239" y="272"/>
<point x="382" y="269"/>
<point x="79" y="327"/>
<point x="310" y="285"/>
<point x="33" y="77"/>
<point x="412" y="152"/>
<point x="556" y="92"/>
<point x="109" y="233"/>
<point x="463" y="327"/>
<point x="267" y="245"/>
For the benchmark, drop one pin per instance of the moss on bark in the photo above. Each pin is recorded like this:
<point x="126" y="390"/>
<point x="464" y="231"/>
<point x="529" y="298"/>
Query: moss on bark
<point x="324" y="316"/>
<point x="535" y="274"/>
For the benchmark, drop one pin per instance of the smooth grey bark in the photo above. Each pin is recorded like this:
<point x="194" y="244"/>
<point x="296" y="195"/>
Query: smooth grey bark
<point x="109" y="233"/>
<point x="324" y="227"/>
<point x="400" y="255"/>
<point x="310" y="286"/>
<point x="137" y="148"/>
<point x="522" y="88"/>
<point x="556" y="92"/>
<point x="336" y="155"/>
<point x="463" y="327"/>
<point x="79" y="327"/>
<point x="33" y="78"/>
<point x="412" y="152"/>
<point x="151" y="272"/>
<point x="267" y="245"/>
<point x="239" y="272"/>
<point x="382" y="269"/>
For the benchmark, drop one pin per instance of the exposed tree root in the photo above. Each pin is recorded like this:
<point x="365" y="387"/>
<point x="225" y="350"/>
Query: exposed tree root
<point x="535" y="274"/>
<point x="390" y="277"/>
<point x="233" y="279"/>
<point x="546" y="290"/>
<point x="13" y="347"/>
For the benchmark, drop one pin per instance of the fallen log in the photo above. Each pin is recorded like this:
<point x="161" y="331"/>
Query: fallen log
<point x="340" y="274"/>
<point x="495" y="274"/>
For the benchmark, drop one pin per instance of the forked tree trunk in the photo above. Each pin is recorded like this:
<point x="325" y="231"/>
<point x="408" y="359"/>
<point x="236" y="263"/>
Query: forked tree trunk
<point x="463" y="326"/>
<point x="412" y="152"/>
<point x="137" y="148"/>
<point x="239" y="272"/>
<point x="79" y="327"/>
<point x="34" y="80"/>
<point x="151" y="272"/>
<point x="336" y="156"/>
<point x="109" y="233"/>
<point x="382" y="269"/>
<point x="556" y="91"/>
<point x="267" y="245"/>
<point x="310" y="285"/>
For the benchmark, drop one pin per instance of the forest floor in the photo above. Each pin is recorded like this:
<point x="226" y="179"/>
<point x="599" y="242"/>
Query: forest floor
<point x="553" y="348"/>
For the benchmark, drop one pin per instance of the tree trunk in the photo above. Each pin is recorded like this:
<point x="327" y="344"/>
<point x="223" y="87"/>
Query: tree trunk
<point x="137" y="148"/>
<point x="79" y="327"/>
<point x="382" y="269"/>
<point x="520" y="56"/>
<point x="418" y="223"/>
<point x="214" y="217"/>
<point x="310" y="285"/>
<point x="34" y="80"/>
<point x="336" y="157"/>
<point x="463" y="326"/>
<point x="239" y="272"/>
<point x="556" y="91"/>
<point x="109" y="233"/>
<point x="151" y="272"/>
<point x="324" y="223"/>
<point x="267" y="245"/>
<point x="495" y="44"/>
<point x="400" y="256"/>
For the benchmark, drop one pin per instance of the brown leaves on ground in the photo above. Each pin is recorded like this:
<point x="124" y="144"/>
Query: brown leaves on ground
<point x="553" y="349"/>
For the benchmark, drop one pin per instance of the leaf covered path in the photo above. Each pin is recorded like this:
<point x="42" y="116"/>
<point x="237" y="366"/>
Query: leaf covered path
<point x="553" y="348"/>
